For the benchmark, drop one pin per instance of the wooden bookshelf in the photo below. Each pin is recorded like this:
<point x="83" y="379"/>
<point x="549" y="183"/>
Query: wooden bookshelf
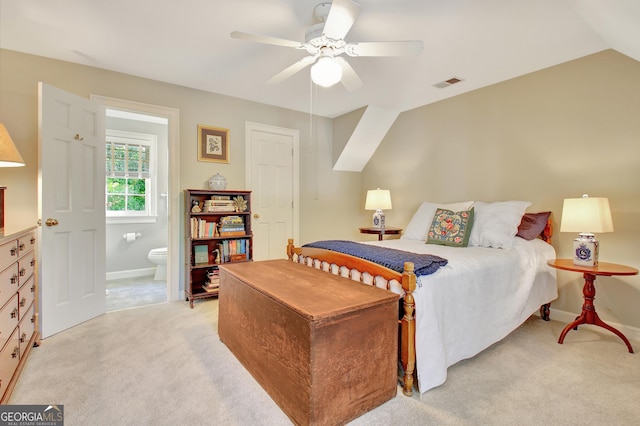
<point x="216" y="232"/>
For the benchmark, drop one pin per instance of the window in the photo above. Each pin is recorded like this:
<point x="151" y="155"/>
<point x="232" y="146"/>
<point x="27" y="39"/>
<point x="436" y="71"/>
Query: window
<point x="130" y="176"/>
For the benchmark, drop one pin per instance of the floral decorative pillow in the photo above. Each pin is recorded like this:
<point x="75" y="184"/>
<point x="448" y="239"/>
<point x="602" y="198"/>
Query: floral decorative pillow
<point x="422" y="218"/>
<point x="450" y="228"/>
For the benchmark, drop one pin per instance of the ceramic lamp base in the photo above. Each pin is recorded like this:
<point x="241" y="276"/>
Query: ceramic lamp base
<point x="585" y="250"/>
<point x="378" y="219"/>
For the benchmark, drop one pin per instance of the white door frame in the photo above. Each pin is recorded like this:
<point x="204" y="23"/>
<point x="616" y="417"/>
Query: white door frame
<point x="174" y="196"/>
<point x="295" y="136"/>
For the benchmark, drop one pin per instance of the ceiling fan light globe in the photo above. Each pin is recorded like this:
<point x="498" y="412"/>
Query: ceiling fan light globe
<point x="326" y="72"/>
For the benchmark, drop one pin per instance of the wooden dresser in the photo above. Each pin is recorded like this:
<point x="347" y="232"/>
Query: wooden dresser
<point x="324" y="347"/>
<point x="18" y="305"/>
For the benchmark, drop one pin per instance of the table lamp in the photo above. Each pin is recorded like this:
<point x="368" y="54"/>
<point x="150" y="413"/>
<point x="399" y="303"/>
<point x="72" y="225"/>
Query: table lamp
<point x="586" y="215"/>
<point x="378" y="200"/>
<point x="9" y="157"/>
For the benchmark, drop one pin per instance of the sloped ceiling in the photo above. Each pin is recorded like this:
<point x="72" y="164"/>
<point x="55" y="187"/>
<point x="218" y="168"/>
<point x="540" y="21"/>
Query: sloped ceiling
<point x="187" y="43"/>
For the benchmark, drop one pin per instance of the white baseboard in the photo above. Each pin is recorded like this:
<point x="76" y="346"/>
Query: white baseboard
<point x="132" y="273"/>
<point x="632" y="333"/>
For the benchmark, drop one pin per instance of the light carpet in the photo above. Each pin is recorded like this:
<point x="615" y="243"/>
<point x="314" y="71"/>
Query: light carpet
<point x="164" y="365"/>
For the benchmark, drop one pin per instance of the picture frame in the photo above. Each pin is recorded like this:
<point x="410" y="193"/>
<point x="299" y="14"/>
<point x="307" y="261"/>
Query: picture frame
<point x="213" y="144"/>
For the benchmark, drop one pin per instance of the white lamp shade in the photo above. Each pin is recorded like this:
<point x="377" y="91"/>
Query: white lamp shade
<point x="9" y="155"/>
<point x="378" y="199"/>
<point x="326" y="72"/>
<point x="587" y="215"/>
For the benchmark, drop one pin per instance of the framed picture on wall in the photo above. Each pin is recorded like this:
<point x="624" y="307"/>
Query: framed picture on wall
<point x="213" y="144"/>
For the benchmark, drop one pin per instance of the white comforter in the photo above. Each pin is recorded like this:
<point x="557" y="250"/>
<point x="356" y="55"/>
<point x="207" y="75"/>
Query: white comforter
<point x="479" y="297"/>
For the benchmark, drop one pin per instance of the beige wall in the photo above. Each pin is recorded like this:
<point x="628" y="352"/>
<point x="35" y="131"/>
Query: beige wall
<point x="549" y="135"/>
<point x="327" y="205"/>
<point x="553" y="134"/>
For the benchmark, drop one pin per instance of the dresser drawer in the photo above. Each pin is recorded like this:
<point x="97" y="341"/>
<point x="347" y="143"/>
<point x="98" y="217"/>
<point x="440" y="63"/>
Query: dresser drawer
<point x="27" y="327"/>
<point x="8" y="253"/>
<point x="8" y="283"/>
<point x="26" y="294"/>
<point x="26" y="243"/>
<point x="9" y="358"/>
<point x="26" y="266"/>
<point x="8" y="319"/>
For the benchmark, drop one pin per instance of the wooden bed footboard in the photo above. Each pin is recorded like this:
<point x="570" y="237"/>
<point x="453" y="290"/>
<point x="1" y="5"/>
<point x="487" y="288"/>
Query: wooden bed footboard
<point x="320" y="258"/>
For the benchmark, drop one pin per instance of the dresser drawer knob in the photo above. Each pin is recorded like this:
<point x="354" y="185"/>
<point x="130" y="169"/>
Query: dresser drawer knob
<point x="14" y="279"/>
<point x="22" y="272"/>
<point x="23" y="338"/>
<point x="32" y="240"/>
<point x="21" y="247"/>
<point x="23" y="302"/>
<point x="14" y="250"/>
<point x="14" y="313"/>
<point x="16" y="352"/>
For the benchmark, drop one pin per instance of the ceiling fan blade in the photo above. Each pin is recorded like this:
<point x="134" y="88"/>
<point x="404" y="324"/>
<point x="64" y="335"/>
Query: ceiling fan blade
<point x="266" y="39"/>
<point x="385" y="48"/>
<point x="291" y="70"/>
<point x="350" y="79"/>
<point x="341" y="17"/>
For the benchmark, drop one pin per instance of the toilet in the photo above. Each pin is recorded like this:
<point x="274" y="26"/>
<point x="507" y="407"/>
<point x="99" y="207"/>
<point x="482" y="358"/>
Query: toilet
<point x="159" y="257"/>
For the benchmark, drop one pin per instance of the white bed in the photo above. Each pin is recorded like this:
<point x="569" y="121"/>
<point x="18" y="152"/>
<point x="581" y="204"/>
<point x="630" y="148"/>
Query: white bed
<point x="479" y="297"/>
<point x="492" y="282"/>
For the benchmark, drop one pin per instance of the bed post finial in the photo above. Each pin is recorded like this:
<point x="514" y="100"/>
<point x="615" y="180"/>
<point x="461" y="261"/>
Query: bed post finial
<point x="290" y="248"/>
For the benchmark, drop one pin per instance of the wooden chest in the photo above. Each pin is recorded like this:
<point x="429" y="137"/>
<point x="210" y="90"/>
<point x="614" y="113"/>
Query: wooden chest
<point x="324" y="347"/>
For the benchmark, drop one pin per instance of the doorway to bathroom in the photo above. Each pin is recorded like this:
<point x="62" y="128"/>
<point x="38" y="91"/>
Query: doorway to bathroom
<point x="137" y="208"/>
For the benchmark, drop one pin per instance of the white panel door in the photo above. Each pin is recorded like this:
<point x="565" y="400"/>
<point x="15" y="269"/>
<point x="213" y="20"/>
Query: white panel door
<point x="71" y="207"/>
<point x="273" y="179"/>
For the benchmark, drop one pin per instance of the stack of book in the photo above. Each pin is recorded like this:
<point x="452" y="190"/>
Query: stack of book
<point x="231" y="226"/>
<point x="212" y="281"/>
<point x="219" y="203"/>
<point x="200" y="228"/>
<point x="234" y="250"/>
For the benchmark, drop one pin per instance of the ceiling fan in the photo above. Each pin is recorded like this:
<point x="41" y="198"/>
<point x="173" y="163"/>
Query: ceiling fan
<point x="325" y="44"/>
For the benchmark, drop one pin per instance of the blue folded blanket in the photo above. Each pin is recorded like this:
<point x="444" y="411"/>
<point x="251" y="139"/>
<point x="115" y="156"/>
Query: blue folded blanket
<point x="424" y="264"/>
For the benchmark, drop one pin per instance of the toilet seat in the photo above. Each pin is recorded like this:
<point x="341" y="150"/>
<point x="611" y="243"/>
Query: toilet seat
<point x="162" y="251"/>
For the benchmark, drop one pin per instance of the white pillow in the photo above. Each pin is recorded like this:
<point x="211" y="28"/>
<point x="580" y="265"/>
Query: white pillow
<point x="496" y="224"/>
<point x="422" y="218"/>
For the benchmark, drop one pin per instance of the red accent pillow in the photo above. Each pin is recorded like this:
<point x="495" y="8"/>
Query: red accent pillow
<point x="532" y="225"/>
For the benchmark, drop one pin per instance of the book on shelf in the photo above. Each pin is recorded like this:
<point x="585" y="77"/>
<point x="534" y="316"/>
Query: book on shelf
<point x="212" y="280"/>
<point x="232" y="233"/>
<point x="210" y="209"/>
<point x="231" y="220"/>
<point x="201" y="253"/>
<point x="234" y="250"/>
<point x="213" y="275"/>
<point x="219" y="205"/>
<point x="209" y="289"/>
<point x="201" y="228"/>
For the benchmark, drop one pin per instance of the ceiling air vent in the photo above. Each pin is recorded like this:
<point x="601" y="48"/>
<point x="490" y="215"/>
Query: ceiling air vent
<point x="447" y="83"/>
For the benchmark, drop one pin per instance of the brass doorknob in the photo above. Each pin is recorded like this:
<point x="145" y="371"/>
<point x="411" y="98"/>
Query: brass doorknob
<point x="256" y="216"/>
<point x="51" y="222"/>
